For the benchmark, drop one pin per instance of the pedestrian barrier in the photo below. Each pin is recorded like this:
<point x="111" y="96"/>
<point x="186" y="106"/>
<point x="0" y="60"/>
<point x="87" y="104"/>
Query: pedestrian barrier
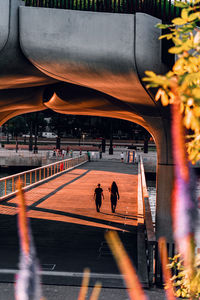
<point x="8" y="185"/>
<point x="145" y="223"/>
<point x="162" y="9"/>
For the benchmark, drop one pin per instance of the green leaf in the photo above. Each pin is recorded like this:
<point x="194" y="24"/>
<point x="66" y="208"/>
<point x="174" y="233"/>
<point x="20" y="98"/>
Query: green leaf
<point x="181" y="4"/>
<point x="152" y="85"/>
<point x="163" y="26"/>
<point x="187" y="28"/>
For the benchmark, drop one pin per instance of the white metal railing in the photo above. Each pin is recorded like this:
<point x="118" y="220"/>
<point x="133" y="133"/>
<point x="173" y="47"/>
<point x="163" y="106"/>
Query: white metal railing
<point x="8" y="185"/>
<point x="145" y="217"/>
<point x="146" y="203"/>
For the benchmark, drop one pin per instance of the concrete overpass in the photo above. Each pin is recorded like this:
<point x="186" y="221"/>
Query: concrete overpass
<point x="92" y="63"/>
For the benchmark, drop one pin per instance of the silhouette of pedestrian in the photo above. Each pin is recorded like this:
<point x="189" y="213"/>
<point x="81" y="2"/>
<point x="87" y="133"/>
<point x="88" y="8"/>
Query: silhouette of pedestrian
<point x="98" y="195"/>
<point x="114" y="195"/>
<point x="122" y="156"/>
<point x="88" y="154"/>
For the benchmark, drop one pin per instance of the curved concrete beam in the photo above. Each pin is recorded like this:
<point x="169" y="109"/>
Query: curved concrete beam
<point x="73" y="99"/>
<point x="104" y="53"/>
<point x="16" y="70"/>
<point x="4" y="22"/>
<point x="15" y="102"/>
<point x="95" y="50"/>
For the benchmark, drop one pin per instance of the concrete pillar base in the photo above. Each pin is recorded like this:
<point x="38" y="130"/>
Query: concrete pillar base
<point x="163" y="206"/>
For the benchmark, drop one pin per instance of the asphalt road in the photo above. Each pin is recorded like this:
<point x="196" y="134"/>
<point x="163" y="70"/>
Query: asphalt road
<point x="53" y="292"/>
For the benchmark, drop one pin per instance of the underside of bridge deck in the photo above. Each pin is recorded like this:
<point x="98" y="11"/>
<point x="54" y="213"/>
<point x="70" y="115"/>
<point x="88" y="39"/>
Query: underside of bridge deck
<point x="93" y="64"/>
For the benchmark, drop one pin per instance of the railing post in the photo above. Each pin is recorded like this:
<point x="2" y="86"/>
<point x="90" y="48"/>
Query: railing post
<point x="151" y="256"/>
<point x="38" y="174"/>
<point x="150" y="233"/>
<point x="13" y="184"/>
<point x="158" y="268"/>
<point x="5" y="188"/>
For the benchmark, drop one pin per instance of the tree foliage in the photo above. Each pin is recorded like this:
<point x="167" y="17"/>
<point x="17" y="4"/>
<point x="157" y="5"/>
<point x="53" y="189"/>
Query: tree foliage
<point x="184" y="78"/>
<point x="185" y="287"/>
<point x="16" y="126"/>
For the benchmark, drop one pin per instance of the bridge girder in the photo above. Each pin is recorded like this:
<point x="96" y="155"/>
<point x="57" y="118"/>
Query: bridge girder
<point x="94" y="63"/>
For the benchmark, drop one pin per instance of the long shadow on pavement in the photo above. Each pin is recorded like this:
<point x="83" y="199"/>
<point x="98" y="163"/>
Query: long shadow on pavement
<point x="70" y="247"/>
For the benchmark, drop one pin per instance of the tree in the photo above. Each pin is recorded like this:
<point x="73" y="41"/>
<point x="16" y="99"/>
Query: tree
<point x="180" y="88"/>
<point x="16" y="126"/>
<point x="182" y="83"/>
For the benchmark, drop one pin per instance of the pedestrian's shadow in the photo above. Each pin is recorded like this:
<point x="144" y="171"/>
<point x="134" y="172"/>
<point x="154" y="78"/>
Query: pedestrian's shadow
<point x="119" y="215"/>
<point x="116" y="225"/>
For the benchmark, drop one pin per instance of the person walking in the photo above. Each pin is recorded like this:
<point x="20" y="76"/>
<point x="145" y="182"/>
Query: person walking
<point x="114" y="195"/>
<point x="88" y="154"/>
<point x="122" y="157"/>
<point x="98" y="195"/>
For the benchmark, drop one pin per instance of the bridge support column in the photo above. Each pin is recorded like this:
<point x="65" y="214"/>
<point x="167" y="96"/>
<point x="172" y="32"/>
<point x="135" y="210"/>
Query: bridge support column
<point x="164" y="184"/>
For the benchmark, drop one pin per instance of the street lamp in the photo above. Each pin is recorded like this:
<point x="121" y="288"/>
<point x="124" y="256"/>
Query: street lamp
<point x="83" y="136"/>
<point x="111" y="138"/>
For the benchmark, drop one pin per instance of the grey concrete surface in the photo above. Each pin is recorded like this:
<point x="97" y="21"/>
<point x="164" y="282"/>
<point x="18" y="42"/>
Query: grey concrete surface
<point x="147" y="45"/>
<point x="52" y="292"/>
<point x="16" y="70"/>
<point x="95" y="50"/>
<point x="4" y="22"/>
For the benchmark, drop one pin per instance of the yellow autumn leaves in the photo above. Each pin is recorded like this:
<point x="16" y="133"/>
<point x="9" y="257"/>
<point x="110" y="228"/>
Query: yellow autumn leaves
<point x="185" y="286"/>
<point x="186" y="17"/>
<point x="185" y="73"/>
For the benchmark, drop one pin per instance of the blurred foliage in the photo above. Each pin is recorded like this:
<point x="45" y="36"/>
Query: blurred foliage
<point x="15" y="126"/>
<point x="23" y="124"/>
<point x="185" y="74"/>
<point x="185" y="285"/>
<point x="73" y="126"/>
<point x="158" y="8"/>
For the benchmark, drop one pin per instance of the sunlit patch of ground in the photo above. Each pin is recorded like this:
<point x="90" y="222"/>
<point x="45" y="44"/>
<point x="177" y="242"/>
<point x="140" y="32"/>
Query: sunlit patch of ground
<point x="69" y="198"/>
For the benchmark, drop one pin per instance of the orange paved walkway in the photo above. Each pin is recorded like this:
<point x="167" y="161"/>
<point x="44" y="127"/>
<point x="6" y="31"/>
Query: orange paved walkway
<point x="69" y="198"/>
<point x="69" y="234"/>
